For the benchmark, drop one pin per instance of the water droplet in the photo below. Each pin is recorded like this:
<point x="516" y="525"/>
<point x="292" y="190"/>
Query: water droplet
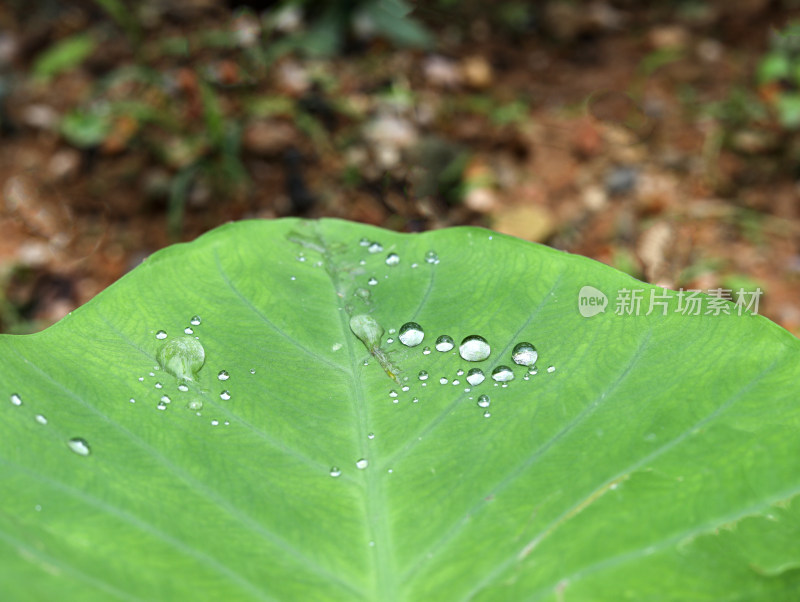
<point x="372" y="281"/>
<point x="414" y="265"/>
<point x="161" y="406"/>
<point x="389" y="341"/>
<point x="474" y="348"/>
<point x="215" y="422"/>
<point x="364" y="242"/>
<point x="141" y="379"/>
<point x="392" y="393"/>
<point x="502" y="374"/>
<point x="392" y="331"/>
<point x="165" y="398"/>
<point x="392" y="259"/>
<point x="195" y="405"/>
<point x="152" y="373"/>
<point x="182" y="357"/>
<point x="524" y="354"/>
<point x="41" y="419"/>
<point x="423" y="375"/>
<point x="551" y="368"/>
<point x="225" y="395"/>
<point x="161" y="335"/>
<point x="456" y="382"/>
<point x="444" y="343"/>
<point x="443" y="381"/>
<point x="301" y="257"/>
<point x="183" y="388"/>
<point x="426" y="351"/>
<point x="79" y="446"/>
<point x="475" y="376"/>
<point x="292" y="278"/>
<point x="405" y="388"/>
<point x="459" y="372"/>
<point x="366" y="363"/>
<point x="487" y="414"/>
<point x="158" y="385"/>
<point x="335" y="347"/>
<point x="188" y="330"/>
<point x="252" y="370"/>
<point x="484" y="401"/>
<point x="132" y="400"/>
<point x="431" y="257"/>
<point x="362" y="293"/>
<point x="415" y="400"/>
<point x="533" y="371"/>
<point x="223" y="375"/>
<point x="336" y="471"/>
<point x="16" y="399"/>
<point x="526" y="377"/>
<point x="362" y="464"/>
<point x="375" y="247"/>
<point x="411" y="334"/>
<point x="371" y="436"/>
<point x="195" y="321"/>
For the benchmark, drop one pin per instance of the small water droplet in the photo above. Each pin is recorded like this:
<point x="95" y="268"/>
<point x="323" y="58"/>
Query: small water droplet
<point x="79" y="446"/>
<point x="459" y="372"/>
<point x="456" y="382"/>
<point x="38" y="507"/>
<point x="443" y="381"/>
<point x="474" y="348"/>
<point x="252" y="370"/>
<point x="502" y="374"/>
<point x="411" y="334"/>
<point x="195" y="405"/>
<point x="475" y="376"/>
<point x="161" y="406"/>
<point x="444" y="343"/>
<point x="366" y="362"/>
<point x="524" y="354"/>
<point x="375" y="247"/>
<point x="195" y="321"/>
<point x="389" y="341"/>
<point x="405" y="388"/>
<point x="141" y="379"/>
<point x="484" y="401"/>
<point x="414" y="265"/>
<point x="415" y="400"/>
<point x="423" y="375"/>
<point x="225" y="395"/>
<point x="371" y="436"/>
<point x="526" y="377"/>
<point x="132" y="400"/>
<point x="158" y="385"/>
<point x="292" y="278"/>
<point x="426" y="351"/>
<point x="533" y="371"/>
<point x="215" y="422"/>
<point x="16" y="399"/>
<point x="336" y="471"/>
<point x="431" y="257"/>
<point x="165" y="399"/>
<point x="392" y="259"/>
<point x="392" y="331"/>
<point x="390" y="470"/>
<point x="151" y="373"/>
<point x="372" y="281"/>
<point x="551" y="368"/>
<point x="392" y="393"/>
<point x="362" y="464"/>
<point x="183" y="388"/>
<point x="363" y="293"/>
<point x="301" y="257"/>
<point x="487" y="414"/>
<point x="41" y="419"/>
<point x="188" y="330"/>
<point x="364" y="242"/>
<point x="161" y="335"/>
<point x="223" y="375"/>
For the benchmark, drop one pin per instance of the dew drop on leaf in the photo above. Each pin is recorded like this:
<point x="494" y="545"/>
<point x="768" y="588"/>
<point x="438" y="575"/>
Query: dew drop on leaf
<point x="165" y="399"/>
<point x="161" y="335"/>
<point x="188" y="330"/>
<point x="371" y="436"/>
<point x="375" y="247"/>
<point x="364" y="242"/>
<point x="486" y="414"/>
<point x="426" y="351"/>
<point x="223" y="375"/>
<point x="524" y="354"/>
<point x="362" y="463"/>
<point x="252" y="370"/>
<point x="392" y="393"/>
<point x="444" y="343"/>
<point x="474" y="348"/>
<point x="225" y="395"/>
<point x="475" y="376"/>
<point x="411" y="334"/>
<point x="182" y="357"/>
<point x="158" y="385"/>
<point x="484" y="401"/>
<point x="79" y="446"/>
<point x="161" y="406"/>
<point x="195" y="405"/>
<point x="362" y="293"/>
<point x="41" y="419"/>
<point x="215" y="422"/>
<point x="335" y="471"/>
<point x="443" y="381"/>
<point x="183" y="388"/>
<point x="423" y="375"/>
<point x="367" y="330"/>
<point x="431" y="257"/>
<point x="16" y="399"/>
<point x="392" y="259"/>
<point x="415" y="400"/>
<point x="195" y="321"/>
<point x="372" y="281"/>
<point x="551" y="368"/>
<point x="502" y="374"/>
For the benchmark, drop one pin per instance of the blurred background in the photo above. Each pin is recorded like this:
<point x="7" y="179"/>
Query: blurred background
<point x="657" y="137"/>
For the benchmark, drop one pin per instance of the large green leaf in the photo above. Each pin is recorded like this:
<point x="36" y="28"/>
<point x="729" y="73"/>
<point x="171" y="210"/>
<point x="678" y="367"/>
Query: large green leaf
<point x="659" y="460"/>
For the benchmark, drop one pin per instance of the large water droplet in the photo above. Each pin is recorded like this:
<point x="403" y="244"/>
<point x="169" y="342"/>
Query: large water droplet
<point x="223" y="375"/>
<point x="367" y="330"/>
<point x="392" y="259"/>
<point x="375" y="247"/>
<point x="182" y="357"/>
<point x="79" y="446"/>
<point x="16" y="399"/>
<point x="502" y="374"/>
<point x="524" y="354"/>
<point x="411" y="334"/>
<point x="444" y="343"/>
<point x="195" y="321"/>
<point x="336" y="471"/>
<point x="484" y="401"/>
<point x="161" y="335"/>
<point x="475" y="376"/>
<point x="474" y="348"/>
<point x="362" y="463"/>
<point x="225" y="395"/>
<point x="431" y="257"/>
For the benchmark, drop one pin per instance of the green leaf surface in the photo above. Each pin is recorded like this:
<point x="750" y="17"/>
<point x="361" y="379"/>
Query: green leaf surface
<point x="64" y="55"/>
<point x="657" y="460"/>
